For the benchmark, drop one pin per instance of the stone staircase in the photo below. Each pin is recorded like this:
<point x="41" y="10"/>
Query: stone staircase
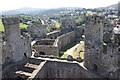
<point x="26" y="70"/>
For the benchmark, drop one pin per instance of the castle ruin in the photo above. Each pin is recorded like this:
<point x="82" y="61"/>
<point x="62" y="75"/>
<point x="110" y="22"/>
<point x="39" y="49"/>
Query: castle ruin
<point x="100" y="61"/>
<point x="101" y="52"/>
<point x="16" y="48"/>
<point x="37" y="31"/>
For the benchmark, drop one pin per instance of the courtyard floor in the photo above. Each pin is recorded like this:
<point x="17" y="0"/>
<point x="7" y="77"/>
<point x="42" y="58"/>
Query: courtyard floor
<point x="77" y="50"/>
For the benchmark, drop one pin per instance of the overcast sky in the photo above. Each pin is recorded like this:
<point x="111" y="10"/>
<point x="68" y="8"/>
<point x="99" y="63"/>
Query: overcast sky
<point x="15" y="4"/>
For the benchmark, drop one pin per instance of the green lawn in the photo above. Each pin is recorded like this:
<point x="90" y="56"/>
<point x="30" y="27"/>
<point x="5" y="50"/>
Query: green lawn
<point x="21" y="26"/>
<point x="64" y="56"/>
<point x="75" y="52"/>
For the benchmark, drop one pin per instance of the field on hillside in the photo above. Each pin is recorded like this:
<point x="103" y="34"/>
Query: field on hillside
<point x="21" y="26"/>
<point x="1" y="26"/>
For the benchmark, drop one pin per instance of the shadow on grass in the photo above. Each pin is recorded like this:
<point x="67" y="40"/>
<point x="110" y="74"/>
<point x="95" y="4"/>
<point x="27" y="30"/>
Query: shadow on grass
<point x="68" y="46"/>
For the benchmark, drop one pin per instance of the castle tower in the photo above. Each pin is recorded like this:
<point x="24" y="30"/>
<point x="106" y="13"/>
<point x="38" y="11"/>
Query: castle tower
<point x="37" y="31"/>
<point x="68" y="25"/>
<point x="16" y="47"/>
<point x="93" y="42"/>
<point x="93" y="38"/>
<point x="1" y="55"/>
<point x="100" y="57"/>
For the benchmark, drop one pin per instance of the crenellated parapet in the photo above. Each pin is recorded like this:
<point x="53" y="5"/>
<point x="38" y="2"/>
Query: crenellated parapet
<point x="94" y="18"/>
<point x="10" y="20"/>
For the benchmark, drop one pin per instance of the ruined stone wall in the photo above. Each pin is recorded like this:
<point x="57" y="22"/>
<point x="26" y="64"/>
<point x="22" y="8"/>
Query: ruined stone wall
<point x="16" y="48"/>
<point x="68" y="25"/>
<point x="101" y="54"/>
<point x="45" y="42"/>
<point x="1" y="44"/>
<point x="37" y="31"/>
<point x="65" y="39"/>
<point x="47" y="47"/>
<point x="46" y="67"/>
<point x="47" y="50"/>
<point x="53" y="35"/>
<point x="119" y="9"/>
<point x="108" y="27"/>
<point x="56" y="69"/>
<point x="52" y="48"/>
<point x="79" y="32"/>
<point x="110" y="61"/>
<point x="93" y="42"/>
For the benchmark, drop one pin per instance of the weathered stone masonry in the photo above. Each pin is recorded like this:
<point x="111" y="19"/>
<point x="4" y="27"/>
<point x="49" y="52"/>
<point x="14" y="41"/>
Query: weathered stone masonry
<point x="46" y="47"/>
<point x="101" y="54"/>
<point x="16" y="47"/>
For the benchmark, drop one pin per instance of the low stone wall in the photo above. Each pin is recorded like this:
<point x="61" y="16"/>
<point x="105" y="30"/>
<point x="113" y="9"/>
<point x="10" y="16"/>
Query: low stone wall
<point x="45" y="42"/>
<point x="65" y="39"/>
<point x="46" y="49"/>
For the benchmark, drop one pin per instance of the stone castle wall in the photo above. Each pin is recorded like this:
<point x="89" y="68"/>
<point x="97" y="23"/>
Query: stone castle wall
<point x="60" y="69"/>
<point x="119" y="8"/>
<point x="65" y="39"/>
<point x="16" y="48"/>
<point x="45" y="67"/>
<point x="37" y="31"/>
<point x="79" y="32"/>
<point x="101" y="53"/>
<point x="1" y="45"/>
<point x="47" y="47"/>
<point x="52" y="48"/>
<point x="53" y="35"/>
<point x="68" y="25"/>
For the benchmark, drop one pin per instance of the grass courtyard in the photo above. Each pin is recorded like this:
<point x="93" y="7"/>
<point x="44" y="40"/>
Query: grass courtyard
<point x="77" y="50"/>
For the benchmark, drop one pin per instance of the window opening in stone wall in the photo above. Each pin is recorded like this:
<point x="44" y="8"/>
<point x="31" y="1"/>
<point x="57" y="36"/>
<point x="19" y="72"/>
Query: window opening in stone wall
<point x="41" y="53"/>
<point x="105" y="49"/>
<point x="25" y="55"/>
<point x="95" y="68"/>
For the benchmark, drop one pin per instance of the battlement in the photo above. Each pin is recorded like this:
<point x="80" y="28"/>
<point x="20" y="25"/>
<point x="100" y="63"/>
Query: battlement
<point x="10" y="20"/>
<point x="94" y="17"/>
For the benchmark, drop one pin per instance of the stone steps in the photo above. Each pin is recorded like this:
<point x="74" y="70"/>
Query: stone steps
<point x="31" y="65"/>
<point x="23" y="74"/>
<point x="26" y="70"/>
<point x="35" y="61"/>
